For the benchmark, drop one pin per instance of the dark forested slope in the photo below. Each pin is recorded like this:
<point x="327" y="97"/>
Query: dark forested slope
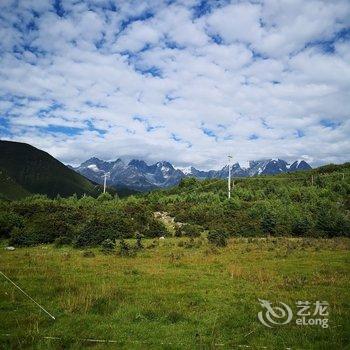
<point x="35" y="171"/>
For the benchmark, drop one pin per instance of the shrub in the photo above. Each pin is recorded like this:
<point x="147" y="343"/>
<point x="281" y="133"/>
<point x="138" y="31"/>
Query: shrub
<point x="62" y="240"/>
<point x="178" y="230"/>
<point x="104" y="197"/>
<point x="19" y="238"/>
<point x="83" y="240"/>
<point x="232" y="205"/>
<point x="217" y="238"/>
<point x="269" y="223"/>
<point x="156" y="229"/>
<point x="189" y="230"/>
<point x="295" y="195"/>
<point x="101" y="227"/>
<point x="188" y="182"/>
<point x="258" y="209"/>
<point x="124" y="248"/>
<point x="42" y="228"/>
<point x="301" y="226"/>
<point x="139" y="244"/>
<point x="107" y="246"/>
<point x="8" y="221"/>
<point x="332" y="222"/>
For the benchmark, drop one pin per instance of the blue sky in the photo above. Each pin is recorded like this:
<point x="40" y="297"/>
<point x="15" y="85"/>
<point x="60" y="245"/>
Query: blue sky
<point x="184" y="81"/>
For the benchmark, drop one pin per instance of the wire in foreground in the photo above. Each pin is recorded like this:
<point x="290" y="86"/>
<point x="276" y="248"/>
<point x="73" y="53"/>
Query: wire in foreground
<point x="28" y="296"/>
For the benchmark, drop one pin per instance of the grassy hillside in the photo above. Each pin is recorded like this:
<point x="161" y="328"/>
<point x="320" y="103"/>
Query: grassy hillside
<point x="313" y="202"/>
<point x="9" y="189"/>
<point x="38" y="172"/>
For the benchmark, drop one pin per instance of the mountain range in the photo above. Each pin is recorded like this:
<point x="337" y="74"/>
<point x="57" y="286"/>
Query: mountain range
<point x="26" y="170"/>
<point x="139" y="176"/>
<point x="135" y="175"/>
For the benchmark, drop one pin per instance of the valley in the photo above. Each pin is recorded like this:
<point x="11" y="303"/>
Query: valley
<point x="178" y="267"/>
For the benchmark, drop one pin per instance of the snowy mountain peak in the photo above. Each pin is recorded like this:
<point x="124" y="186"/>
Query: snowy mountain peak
<point x="164" y="164"/>
<point x="185" y="170"/>
<point x="92" y="161"/>
<point x="138" y="175"/>
<point x="299" y="165"/>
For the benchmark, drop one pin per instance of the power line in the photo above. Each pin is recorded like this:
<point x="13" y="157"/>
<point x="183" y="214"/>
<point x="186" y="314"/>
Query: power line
<point x="27" y="295"/>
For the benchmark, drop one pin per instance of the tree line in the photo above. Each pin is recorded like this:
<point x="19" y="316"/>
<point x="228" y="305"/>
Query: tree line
<point x="284" y="205"/>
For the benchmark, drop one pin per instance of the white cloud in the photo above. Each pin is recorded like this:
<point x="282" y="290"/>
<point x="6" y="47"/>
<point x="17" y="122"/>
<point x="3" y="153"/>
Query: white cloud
<point x="236" y="22"/>
<point x="67" y="86"/>
<point x="136" y="36"/>
<point x="289" y="25"/>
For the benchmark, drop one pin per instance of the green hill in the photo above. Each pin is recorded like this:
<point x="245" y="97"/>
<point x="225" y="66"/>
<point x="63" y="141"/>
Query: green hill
<point x="27" y="170"/>
<point x="9" y="189"/>
<point x="313" y="202"/>
<point x="323" y="176"/>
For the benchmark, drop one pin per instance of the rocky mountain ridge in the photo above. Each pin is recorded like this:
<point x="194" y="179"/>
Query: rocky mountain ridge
<point x="140" y="176"/>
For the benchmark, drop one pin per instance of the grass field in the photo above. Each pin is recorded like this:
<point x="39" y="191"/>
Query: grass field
<point x="173" y="296"/>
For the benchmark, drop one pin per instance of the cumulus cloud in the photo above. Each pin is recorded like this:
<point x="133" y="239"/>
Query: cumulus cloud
<point x="187" y="81"/>
<point x="236" y="22"/>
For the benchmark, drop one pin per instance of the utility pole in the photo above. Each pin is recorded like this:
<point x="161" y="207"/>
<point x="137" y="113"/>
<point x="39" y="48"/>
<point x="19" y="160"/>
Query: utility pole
<point x="104" y="182"/>
<point x="229" y="176"/>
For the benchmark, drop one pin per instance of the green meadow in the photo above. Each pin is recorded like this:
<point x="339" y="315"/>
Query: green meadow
<point x="181" y="268"/>
<point x="176" y="293"/>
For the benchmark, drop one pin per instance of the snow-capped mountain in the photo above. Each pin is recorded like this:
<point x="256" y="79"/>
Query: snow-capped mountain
<point x="136" y="174"/>
<point x="259" y="167"/>
<point x="299" y="165"/>
<point x="140" y="176"/>
<point x="267" y="167"/>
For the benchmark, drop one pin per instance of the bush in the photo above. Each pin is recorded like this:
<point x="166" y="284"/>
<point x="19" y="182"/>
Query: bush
<point x="178" y="230"/>
<point x="62" y="240"/>
<point x="189" y="230"/>
<point x="8" y="221"/>
<point x="301" y="226"/>
<point x="20" y="238"/>
<point x="84" y="240"/>
<point x="139" y="244"/>
<point x="42" y="228"/>
<point x="102" y="227"/>
<point x="331" y="222"/>
<point x="232" y="205"/>
<point x="217" y="238"/>
<point x="156" y="229"/>
<point x="269" y="223"/>
<point x="107" y="246"/>
<point x="105" y="197"/>
<point x="124" y="248"/>
<point x="188" y="182"/>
